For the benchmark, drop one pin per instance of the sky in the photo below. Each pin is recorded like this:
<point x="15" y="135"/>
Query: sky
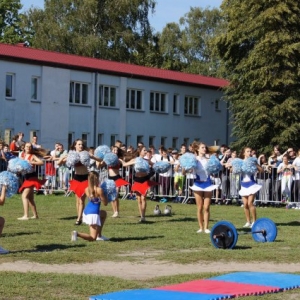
<point x="167" y="11"/>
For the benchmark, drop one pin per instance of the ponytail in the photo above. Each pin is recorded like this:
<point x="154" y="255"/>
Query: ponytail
<point x="93" y="180"/>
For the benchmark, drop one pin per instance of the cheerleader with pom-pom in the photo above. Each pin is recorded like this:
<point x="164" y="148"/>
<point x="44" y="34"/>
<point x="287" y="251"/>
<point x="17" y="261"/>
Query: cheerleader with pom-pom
<point x="113" y="163"/>
<point x="92" y="214"/>
<point x="141" y="179"/>
<point x="78" y="158"/>
<point x="248" y="186"/>
<point x="203" y="186"/>
<point x="31" y="181"/>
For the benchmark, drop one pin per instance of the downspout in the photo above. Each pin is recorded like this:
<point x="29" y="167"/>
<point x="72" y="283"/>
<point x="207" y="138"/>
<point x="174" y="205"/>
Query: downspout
<point x="95" y="116"/>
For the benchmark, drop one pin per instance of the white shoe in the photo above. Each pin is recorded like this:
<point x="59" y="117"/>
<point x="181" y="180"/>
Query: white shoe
<point x="115" y="215"/>
<point x="3" y="251"/>
<point x="199" y="231"/>
<point x="74" y="236"/>
<point x="102" y="238"/>
<point x="247" y="225"/>
<point x="207" y="231"/>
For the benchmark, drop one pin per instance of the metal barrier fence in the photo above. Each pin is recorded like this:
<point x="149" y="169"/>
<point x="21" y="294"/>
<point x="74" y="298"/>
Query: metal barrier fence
<point x="275" y="188"/>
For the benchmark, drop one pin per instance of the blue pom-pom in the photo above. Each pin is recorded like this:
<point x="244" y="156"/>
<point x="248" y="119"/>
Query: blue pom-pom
<point x="100" y="151"/>
<point x="161" y="166"/>
<point x="73" y="158"/>
<point x="141" y="165"/>
<point x="111" y="159"/>
<point x="188" y="161"/>
<point x="237" y="164"/>
<point x="11" y="182"/>
<point x="84" y="157"/>
<point x="19" y="166"/>
<point x="109" y="188"/>
<point x="213" y="165"/>
<point x="250" y="166"/>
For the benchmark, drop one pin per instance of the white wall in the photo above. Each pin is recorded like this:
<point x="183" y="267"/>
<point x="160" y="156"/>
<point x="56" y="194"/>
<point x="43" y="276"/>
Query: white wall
<point x="54" y="118"/>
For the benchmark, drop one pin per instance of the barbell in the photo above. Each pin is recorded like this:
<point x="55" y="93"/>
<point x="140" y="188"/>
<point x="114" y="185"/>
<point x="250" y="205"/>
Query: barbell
<point x="224" y="235"/>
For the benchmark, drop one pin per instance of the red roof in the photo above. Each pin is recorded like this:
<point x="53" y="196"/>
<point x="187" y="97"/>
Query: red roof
<point x="43" y="57"/>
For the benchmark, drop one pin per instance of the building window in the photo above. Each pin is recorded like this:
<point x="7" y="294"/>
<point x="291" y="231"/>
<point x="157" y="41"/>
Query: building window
<point x="158" y="102"/>
<point x="84" y="138"/>
<point x="176" y="104"/>
<point x="163" y="141"/>
<point x="34" y="88"/>
<point x="107" y="96"/>
<point x="100" y="139"/>
<point x="113" y="139"/>
<point x="139" y="139"/>
<point x="70" y="139"/>
<point x="192" y="106"/>
<point x="174" y="142"/>
<point x="128" y="140"/>
<point x="186" y="141"/>
<point x="151" y="140"/>
<point x="134" y="99"/>
<point x="78" y="93"/>
<point x="7" y="136"/>
<point x="217" y="105"/>
<point x="33" y="133"/>
<point x="10" y="85"/>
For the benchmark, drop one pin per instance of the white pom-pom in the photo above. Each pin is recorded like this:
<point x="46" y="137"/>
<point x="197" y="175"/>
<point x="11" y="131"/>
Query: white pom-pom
<point x="100" y="151"/>
<point x="237" y="164"/>
<point x="11" y="182"/>
<point x="73" y="158"/>
<point x="188" y="161"/>
<point x="250" y="166"/>
<point x="213" y="165"/>
<point x="109" y="188"/>
<point x="161" y="166"/>
<point x="84" y="158"/>
<point x="111" y="159"/>
<point x="19" y="166"/>
<point x="141" y="165"/>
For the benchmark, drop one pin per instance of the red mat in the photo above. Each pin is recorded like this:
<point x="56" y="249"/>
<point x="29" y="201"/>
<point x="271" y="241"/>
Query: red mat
<point x="209" y="286"/>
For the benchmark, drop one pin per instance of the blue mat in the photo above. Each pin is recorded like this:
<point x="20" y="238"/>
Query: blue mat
<point x="157" y="295"/>
<point x="282" y="280"/>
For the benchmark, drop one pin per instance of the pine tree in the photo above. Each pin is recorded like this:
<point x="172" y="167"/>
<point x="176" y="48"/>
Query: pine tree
<point x="260" y="51"/>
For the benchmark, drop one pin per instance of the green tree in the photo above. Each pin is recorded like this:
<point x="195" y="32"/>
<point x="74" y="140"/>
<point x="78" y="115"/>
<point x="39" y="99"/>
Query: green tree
<point x="260" y="51"/>
<point x="188" y="46"/>
<point x="9" y="21"/>
<point x="108" y="29"/>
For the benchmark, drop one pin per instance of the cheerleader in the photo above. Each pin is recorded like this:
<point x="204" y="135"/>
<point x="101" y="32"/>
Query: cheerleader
<point x="79" y="158"/>
<point x="114" y="174"/>
<point x="202" y="187"/>
<point x="141" y="180"/>
<point x="31" y="181"/>
<point x="248" y="186"/>
<point x="92" y="215"/>
<point x="9" y="184"/>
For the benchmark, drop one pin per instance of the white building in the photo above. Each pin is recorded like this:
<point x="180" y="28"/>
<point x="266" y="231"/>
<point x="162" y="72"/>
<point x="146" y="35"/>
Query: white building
<point x="61" y="97"/>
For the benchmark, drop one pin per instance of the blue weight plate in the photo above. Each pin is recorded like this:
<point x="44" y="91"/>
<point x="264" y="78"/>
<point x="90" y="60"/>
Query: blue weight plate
<point x="223" y="235"/>
<point x="267" y="225"/>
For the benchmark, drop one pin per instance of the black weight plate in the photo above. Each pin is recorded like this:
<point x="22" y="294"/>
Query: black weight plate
<point x="224" y="235"/>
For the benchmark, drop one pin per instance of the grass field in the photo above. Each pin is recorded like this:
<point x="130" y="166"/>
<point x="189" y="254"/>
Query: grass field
<point x="169" y="238"/>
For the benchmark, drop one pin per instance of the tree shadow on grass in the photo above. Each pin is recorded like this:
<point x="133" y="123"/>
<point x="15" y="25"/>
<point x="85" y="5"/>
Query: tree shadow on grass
<point x="293" y="223"/>
<point x="50" y="248"/>
<point x="19" y="233"/>
<point x="137" y="238"/>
